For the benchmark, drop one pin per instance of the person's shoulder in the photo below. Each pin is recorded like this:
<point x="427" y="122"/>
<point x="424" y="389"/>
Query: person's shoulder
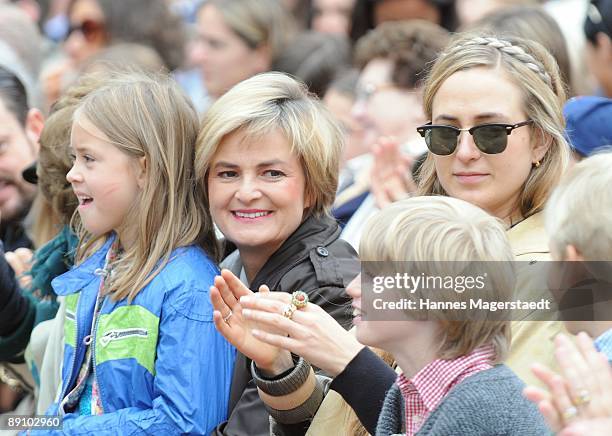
<point x="190" y="262"/>
<point x="490" y="399"/>
<point x="323" y="267"/>
<point x="185" y="282"/>
<point x="488" y="385"/>
<point x="342" y="249"/>
<point x="333" y="255"/>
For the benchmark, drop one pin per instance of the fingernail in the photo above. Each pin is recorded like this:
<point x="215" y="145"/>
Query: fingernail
<point x="245" y="299"/>
<point x="246" y="312"/>
<point x="255" y="332"/>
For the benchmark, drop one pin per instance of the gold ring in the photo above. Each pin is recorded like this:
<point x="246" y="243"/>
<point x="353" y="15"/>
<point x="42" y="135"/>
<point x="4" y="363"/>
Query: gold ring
<point x="583" y="397"/>
<point x="569" y="414"/>
<point x="299" y="299"/>
<point x="226" y="318"/>
<point x="289" y="310"/>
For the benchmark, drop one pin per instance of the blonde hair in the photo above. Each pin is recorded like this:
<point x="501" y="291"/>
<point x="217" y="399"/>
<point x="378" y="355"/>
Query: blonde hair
<point x="258" y="23"/>
<point x="440" y="236"/>
<point x="149" y="116"/>
<point x="535" y="72"/>
<point x="271" y="101"/>
<point x="579" y="211"/>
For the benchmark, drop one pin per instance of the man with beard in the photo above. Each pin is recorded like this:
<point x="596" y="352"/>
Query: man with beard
<point x="20" y="128"/>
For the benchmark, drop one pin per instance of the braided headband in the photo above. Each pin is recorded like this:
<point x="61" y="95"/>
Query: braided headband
<point x="513" y="50"/>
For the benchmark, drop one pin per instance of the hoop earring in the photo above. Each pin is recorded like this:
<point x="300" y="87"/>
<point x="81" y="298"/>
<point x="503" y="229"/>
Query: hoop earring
<point x="537" y="164"/>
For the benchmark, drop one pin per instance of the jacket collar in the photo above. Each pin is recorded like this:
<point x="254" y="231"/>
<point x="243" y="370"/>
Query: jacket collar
<point x="311" y="233"/>
<point x="78" y="277"/>
<point x="529" y="236"/>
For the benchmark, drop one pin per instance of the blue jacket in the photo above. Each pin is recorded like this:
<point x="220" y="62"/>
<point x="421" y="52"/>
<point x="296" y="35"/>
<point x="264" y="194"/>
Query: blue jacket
<point x="160" y="364"/>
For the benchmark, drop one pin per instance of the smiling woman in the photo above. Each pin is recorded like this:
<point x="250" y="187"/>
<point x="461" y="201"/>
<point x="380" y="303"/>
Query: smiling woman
<point x="257" y="194"/>
<point x="268" y="156"/>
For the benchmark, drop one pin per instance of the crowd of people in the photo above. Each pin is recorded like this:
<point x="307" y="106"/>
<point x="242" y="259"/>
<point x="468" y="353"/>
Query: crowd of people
<point x="196" y="196"/>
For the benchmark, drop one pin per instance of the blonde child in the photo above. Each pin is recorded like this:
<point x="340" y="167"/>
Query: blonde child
<point x="578" y="400"/>
<point x="141" y="352"/>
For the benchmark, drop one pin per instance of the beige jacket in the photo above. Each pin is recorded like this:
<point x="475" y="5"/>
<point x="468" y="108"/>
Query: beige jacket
<point x="532" y="341"/>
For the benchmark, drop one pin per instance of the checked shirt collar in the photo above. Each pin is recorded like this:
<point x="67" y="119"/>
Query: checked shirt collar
<point x="426" y="390"/>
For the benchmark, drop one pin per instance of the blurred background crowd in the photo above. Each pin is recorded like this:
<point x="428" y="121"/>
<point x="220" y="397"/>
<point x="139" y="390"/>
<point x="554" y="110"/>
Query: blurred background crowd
<point x="365" y="59"/>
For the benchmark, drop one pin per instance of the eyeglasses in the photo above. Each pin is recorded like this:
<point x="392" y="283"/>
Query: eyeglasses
<point x="88" y="28"/>
<point x="365" y="92"/>
<point x="489" y="138"/>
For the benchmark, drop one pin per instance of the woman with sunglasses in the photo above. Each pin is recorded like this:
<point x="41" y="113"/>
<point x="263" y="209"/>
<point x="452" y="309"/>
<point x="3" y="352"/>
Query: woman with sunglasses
<point x="495" y="140"/>
<point x="95" y="25"/>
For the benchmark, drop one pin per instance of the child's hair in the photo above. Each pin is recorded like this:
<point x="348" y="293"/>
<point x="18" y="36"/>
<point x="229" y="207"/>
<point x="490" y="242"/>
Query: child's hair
<point x="149" y="116"/>
<point x="579" y="211"/>
<point x="440" y="236"/>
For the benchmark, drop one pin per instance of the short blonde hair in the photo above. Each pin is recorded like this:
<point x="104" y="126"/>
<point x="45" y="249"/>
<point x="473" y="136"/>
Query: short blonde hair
<point x="146" y="115"/>
<point x="579" y="211"/>
<point x="271" y="101"/>
<point x="440" y="236"/>
<point x="536" y="73"/>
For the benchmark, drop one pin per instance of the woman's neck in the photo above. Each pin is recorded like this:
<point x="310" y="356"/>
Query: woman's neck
<point x="510" y="216"/>
<point x="253" y="261"/>
<point x="514" y="220"/>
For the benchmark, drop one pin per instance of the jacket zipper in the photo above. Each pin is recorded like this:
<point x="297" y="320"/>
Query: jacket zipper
<point x="118" y="334"/>
<point x="93" y="357"/>
<point x="74" y="355"/>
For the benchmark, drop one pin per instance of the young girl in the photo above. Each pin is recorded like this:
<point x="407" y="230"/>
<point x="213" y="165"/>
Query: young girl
<point x="141" y="352"/>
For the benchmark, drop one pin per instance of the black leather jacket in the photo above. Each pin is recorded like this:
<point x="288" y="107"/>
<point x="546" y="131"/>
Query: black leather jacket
<point x="315" y="261"/>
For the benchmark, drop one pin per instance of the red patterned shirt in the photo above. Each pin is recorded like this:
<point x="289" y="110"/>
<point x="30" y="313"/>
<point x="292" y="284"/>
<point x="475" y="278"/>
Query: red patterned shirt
<point x="426" y="390"/>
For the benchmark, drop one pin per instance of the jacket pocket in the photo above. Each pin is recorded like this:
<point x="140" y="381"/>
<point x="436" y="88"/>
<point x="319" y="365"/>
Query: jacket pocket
<point x="128" y="332"/>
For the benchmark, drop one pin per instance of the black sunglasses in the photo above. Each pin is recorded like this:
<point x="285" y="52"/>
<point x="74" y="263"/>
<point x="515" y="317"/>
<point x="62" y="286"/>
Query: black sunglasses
<point x="489" y="138"/>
